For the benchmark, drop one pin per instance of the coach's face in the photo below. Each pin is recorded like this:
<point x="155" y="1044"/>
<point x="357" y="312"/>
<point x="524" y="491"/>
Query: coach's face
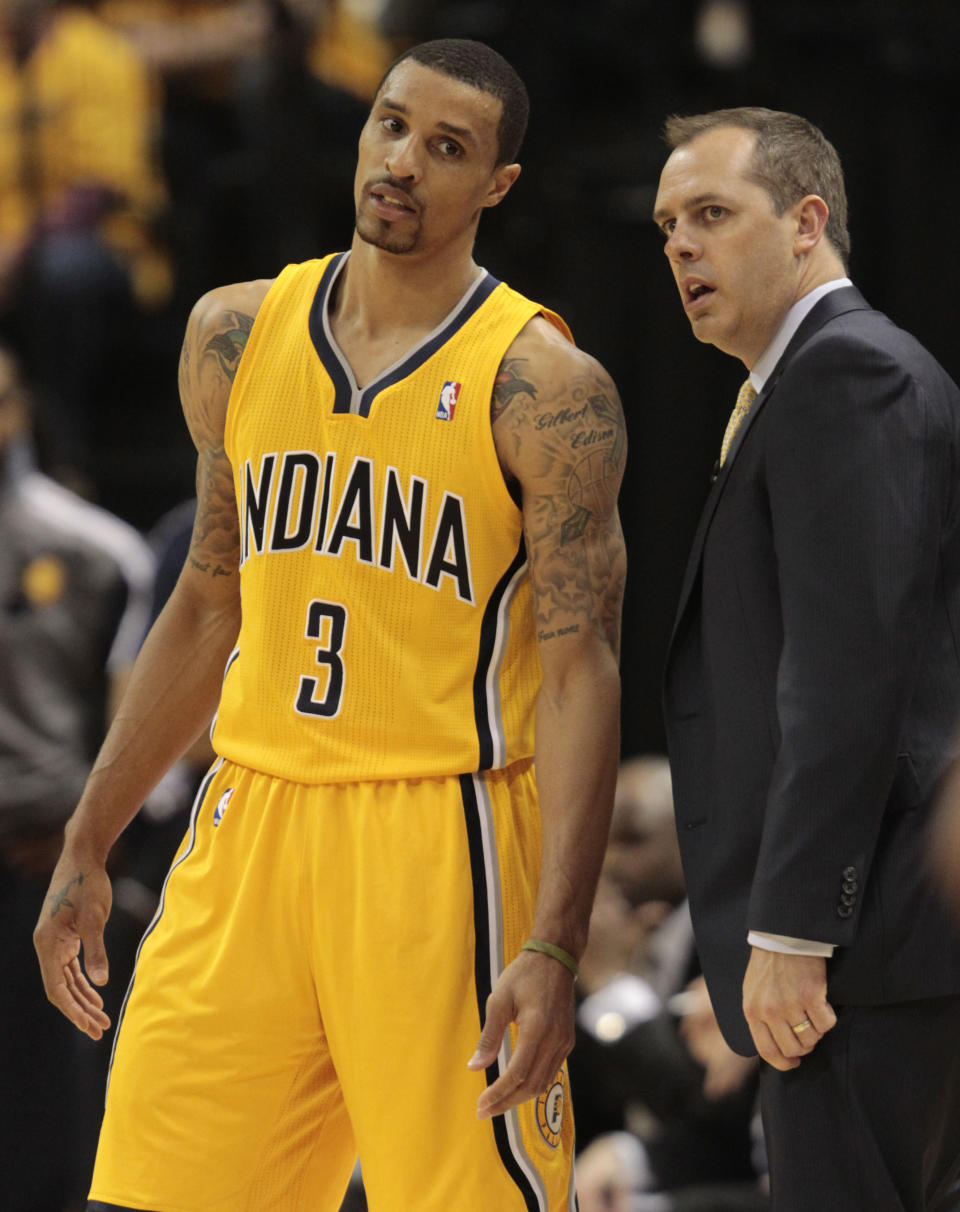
<point x="734" y="259"/>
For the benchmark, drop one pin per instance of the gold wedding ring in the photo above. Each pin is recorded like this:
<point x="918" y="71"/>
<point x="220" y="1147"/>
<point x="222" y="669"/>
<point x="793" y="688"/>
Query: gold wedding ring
<point x="804" y="1026"/>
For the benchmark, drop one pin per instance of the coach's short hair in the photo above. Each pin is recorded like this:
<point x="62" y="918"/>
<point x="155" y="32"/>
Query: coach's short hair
<point x="792" y="158"/>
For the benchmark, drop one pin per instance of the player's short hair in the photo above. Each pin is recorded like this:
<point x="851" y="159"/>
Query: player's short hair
<point x="792" y="158"/>
<point x="480" y="66"/>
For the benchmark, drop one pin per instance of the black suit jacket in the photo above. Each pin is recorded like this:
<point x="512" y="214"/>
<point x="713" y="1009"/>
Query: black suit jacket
<point x="812" y="687"/>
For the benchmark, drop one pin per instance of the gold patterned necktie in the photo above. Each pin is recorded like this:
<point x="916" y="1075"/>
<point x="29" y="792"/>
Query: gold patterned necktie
<point x="745" y="398"/>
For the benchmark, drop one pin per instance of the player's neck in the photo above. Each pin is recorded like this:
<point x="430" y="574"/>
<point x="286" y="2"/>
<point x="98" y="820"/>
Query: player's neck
<point x="383" y="292"/>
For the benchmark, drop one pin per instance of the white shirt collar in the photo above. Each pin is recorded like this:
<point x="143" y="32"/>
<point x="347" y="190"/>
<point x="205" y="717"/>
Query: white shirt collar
<point x="791" y="322"/>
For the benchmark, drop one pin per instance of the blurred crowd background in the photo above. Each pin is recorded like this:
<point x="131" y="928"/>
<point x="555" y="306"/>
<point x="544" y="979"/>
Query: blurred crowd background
<point x="153" y="149"/>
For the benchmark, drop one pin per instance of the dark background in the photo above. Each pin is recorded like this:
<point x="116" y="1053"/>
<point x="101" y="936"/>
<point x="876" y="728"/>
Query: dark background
<point x="878" y="76"/>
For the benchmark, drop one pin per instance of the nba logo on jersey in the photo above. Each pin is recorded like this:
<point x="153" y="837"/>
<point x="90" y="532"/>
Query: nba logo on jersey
<point x="448" y="401"/>
<point x="222" y="804"/>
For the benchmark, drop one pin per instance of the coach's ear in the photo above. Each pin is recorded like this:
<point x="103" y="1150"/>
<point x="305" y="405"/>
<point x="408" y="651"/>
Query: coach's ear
<point x="811" y="215"/>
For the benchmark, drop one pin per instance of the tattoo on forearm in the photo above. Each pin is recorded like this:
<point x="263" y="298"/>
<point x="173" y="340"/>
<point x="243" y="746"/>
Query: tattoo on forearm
<point x="61" y="900"/>
<point x="229" y="344"/>
<point x="549" y="635"/>
<point x="218" y="571"/>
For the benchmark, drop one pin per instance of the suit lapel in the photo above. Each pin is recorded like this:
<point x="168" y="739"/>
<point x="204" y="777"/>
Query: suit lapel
<point x="836" y="303"/>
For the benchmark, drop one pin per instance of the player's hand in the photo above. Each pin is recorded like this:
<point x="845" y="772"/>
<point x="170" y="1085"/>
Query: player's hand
<point x="782" y="992"/>
<point x="74" y="914"/>
<point x="535" y="992"/>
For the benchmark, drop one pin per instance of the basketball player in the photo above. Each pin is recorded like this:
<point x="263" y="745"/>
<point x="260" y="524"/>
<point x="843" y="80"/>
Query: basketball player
<point x="367" y="942"/>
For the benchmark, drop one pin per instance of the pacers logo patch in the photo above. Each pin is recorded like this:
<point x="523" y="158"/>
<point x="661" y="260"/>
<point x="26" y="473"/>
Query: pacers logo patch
<point x="449" y="395"/>
<point x="550" y="1110"/>
<point x="223" y="803"/>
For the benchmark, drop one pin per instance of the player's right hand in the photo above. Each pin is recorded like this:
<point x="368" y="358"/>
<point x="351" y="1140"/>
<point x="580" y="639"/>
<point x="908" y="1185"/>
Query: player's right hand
<point x="74" y="914"/>
<point x="536" y="993"/>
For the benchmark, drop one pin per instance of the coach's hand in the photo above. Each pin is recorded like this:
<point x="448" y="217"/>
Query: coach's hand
<point x="785" y="1005"/>
<point x="74" y="914"/>
<point x="536" y="993"/>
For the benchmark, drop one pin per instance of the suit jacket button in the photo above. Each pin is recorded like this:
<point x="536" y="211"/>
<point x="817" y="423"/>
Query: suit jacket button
<point x="849" y="873"/>
<point x="844" y="910"/>
<point x="848" y="899"/>
<point x="850" y="885"/>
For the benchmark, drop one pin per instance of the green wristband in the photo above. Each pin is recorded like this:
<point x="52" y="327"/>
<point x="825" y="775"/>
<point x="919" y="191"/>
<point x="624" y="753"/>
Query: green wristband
<point x="555" y="952"/>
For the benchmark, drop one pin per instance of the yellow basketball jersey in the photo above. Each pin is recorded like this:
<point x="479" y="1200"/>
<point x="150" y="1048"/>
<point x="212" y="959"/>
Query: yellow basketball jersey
<point x="387" y="623"/>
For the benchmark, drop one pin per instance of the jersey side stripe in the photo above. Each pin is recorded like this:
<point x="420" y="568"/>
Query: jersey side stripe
<point x="192" y="837"/>
<point x="488" y="964"/>
<point x="486" y="679"/>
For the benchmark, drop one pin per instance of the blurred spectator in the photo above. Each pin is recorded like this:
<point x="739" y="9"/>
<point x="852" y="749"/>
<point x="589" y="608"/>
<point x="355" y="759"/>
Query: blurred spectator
<point x="79" y="197"/>
<point x="724" y="1071"/>
<point x="347" y="51"/>
<point x="613" y="1174"/>
<point x="264" y="101"/>
<point x="74" y="583"/>
<point x="665" y="1116"/>
<point x="302" y="108"/>
<point x="193" y="37"/>
<point x="201" y="37"/>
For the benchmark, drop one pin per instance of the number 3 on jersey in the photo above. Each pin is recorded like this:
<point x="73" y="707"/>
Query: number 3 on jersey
<point x="326" y="623"/>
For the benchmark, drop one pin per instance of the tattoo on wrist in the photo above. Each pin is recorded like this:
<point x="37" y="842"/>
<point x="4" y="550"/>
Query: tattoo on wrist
<point x="61" y="900"/>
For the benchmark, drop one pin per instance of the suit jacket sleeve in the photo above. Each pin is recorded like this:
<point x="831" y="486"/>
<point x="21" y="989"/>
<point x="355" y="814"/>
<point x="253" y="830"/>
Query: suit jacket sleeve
<point x="857" y="486"/>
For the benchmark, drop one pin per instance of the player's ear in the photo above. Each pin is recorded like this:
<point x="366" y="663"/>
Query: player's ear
<point x="503" y="178"/>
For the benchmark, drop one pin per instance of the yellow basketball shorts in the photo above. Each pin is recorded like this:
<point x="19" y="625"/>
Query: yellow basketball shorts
<point x="312" y="988"/>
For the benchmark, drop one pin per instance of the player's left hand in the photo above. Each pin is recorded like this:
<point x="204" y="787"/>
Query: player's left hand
<point x="535" y="992"/>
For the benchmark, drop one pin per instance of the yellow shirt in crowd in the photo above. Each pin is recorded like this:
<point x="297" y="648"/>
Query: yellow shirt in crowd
<point x="82" y="110"/>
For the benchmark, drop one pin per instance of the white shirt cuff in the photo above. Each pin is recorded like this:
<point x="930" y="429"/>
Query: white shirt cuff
<point x="788" y="945"/>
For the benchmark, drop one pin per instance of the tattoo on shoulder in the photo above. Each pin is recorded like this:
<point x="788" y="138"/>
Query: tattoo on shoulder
<point x="508" y="384"/>
<point x="61" y="900"/>
<point x="228" y="344"/>
<point x="610" y="414"/>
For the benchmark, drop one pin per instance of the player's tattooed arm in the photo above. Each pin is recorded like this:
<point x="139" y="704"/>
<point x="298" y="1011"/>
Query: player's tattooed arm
<point x="560" y="433"/>
<point x="216" y="336"/>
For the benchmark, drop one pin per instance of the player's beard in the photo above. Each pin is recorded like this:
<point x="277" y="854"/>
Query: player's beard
<point x="383" y="234"/>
